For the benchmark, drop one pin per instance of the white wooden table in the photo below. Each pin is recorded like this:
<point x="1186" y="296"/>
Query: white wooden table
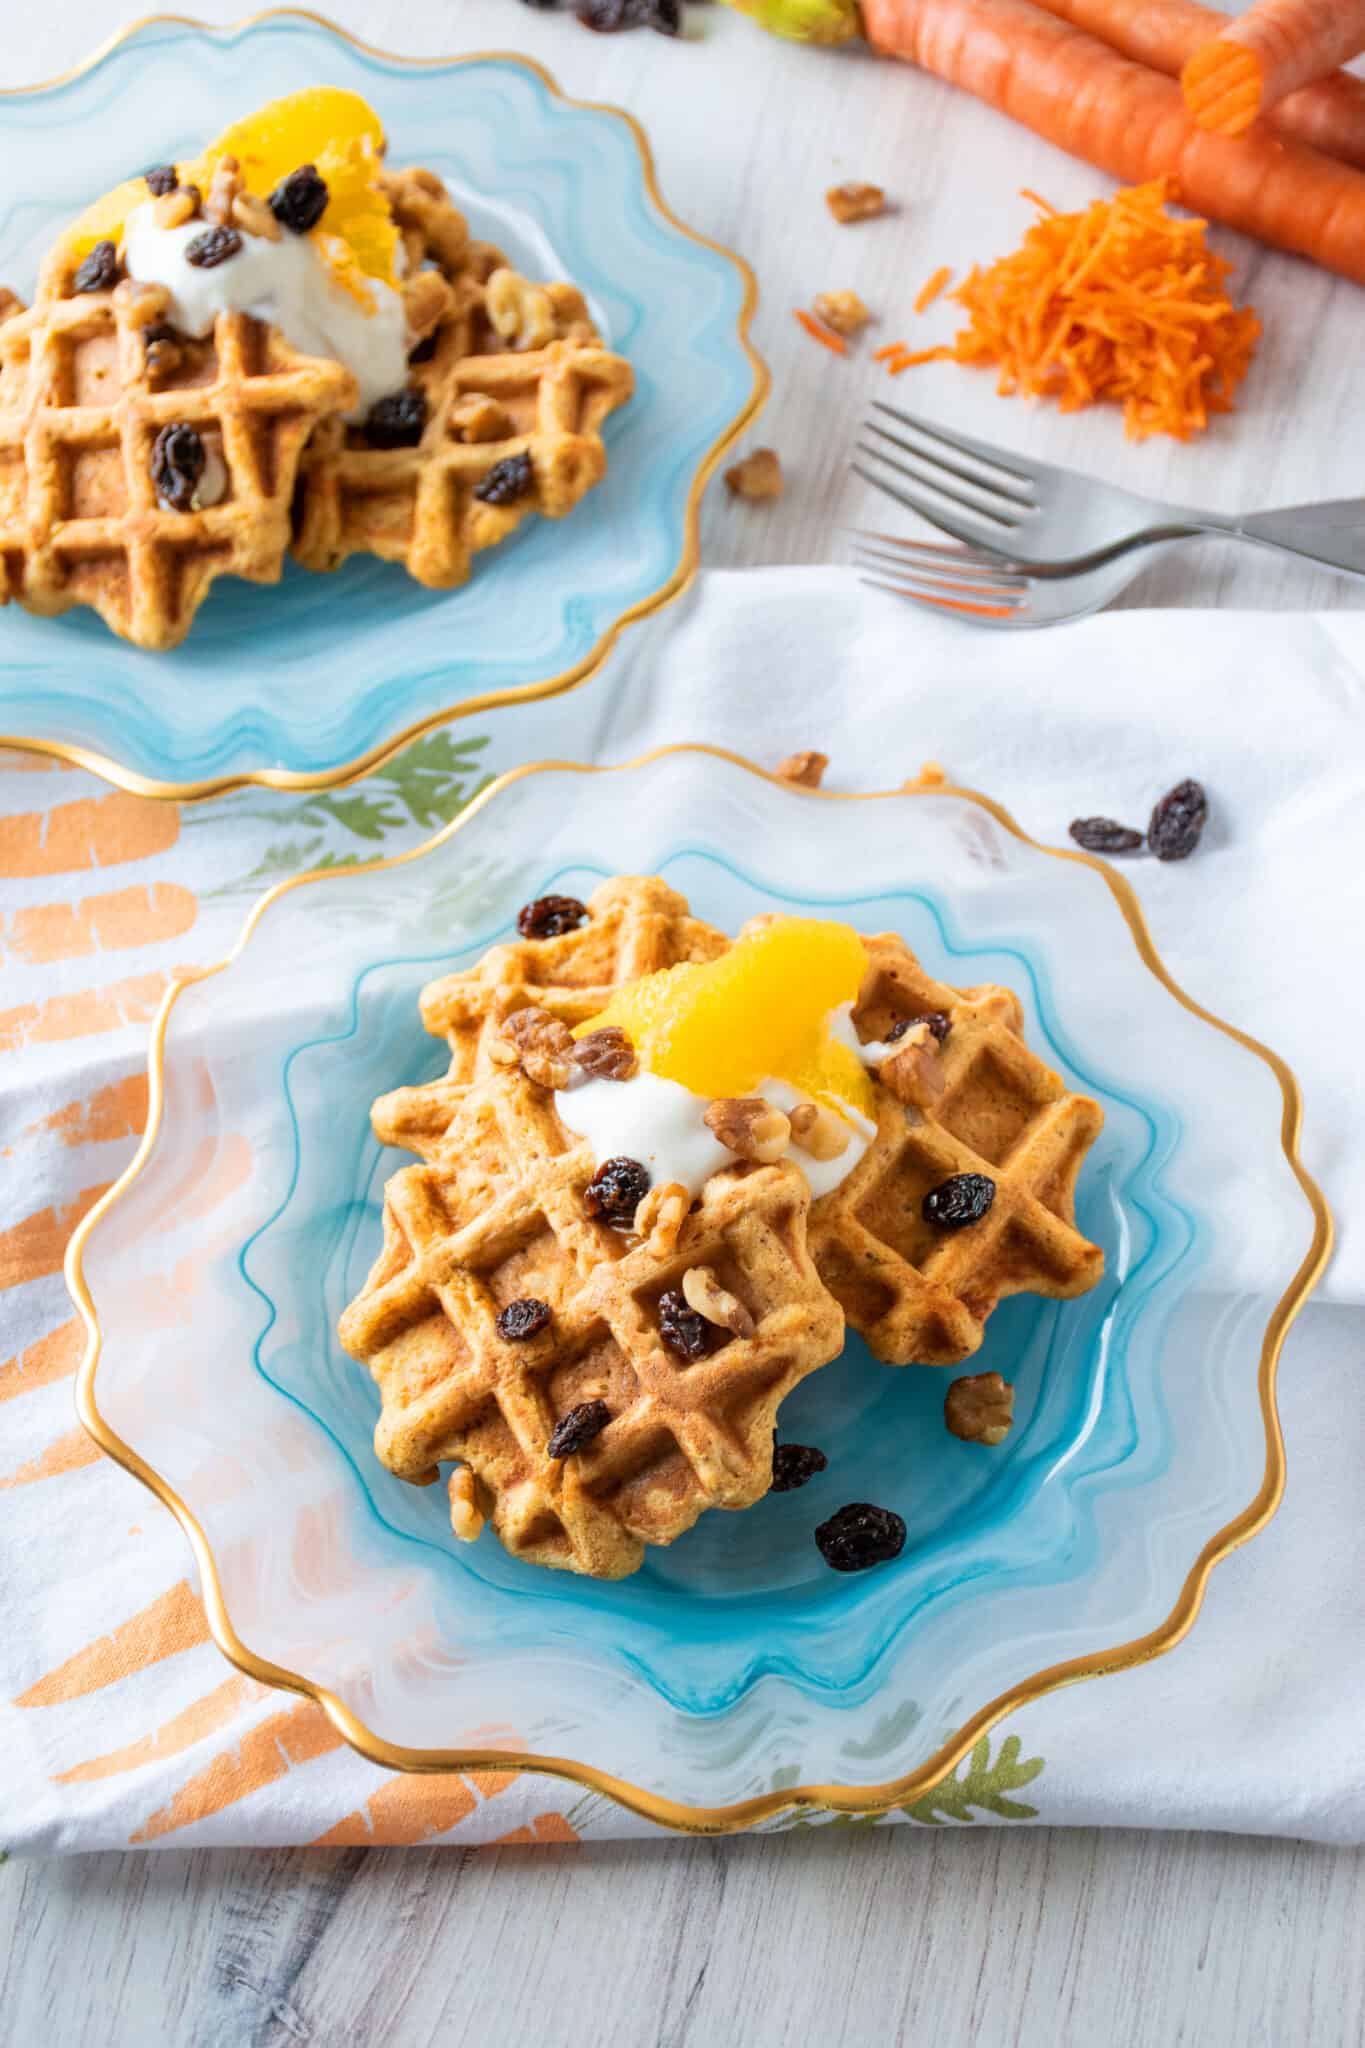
<point x="904" y="1934"/>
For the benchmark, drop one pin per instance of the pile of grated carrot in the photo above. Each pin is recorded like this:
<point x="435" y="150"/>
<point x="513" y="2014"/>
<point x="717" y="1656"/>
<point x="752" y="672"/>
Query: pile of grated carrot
<point x="1123" y="303"/>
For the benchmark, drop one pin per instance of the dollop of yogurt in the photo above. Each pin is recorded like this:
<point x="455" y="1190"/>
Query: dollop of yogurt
<point x="286" y="283"/>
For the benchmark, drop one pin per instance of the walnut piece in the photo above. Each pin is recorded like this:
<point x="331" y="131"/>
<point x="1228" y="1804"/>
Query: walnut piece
<point x="427" y="298"/>
<point x="254" y="217"/>
<point x="173" y="209"/>
<point x="607" y="1055"/>
<point x="661" y="1216"/>
<point x="807" y="768"/>
<point x="227" y="181"/>
<point x="522" y="313"/>
<point x="818" y="1131"/>
<point x="467" y="1514"/>
<point x="10" y="302"/>
<point x="980" y="1408"/>
<point x="703" y="1292"/>
<point x="855" y="202"/>
<point x="914" y="1071"/>
<point x="480" y="419"/>
<point x="540" y="1044"/>
<point x="750" y="1127"/>
<point x="843" y="311"/>
<point x="759" y="475"/>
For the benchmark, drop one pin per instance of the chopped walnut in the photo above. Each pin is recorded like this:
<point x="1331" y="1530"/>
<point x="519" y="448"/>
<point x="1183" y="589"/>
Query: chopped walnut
<point x="855" y="202"/>
<point x="254" y="217"/>
<point x="522" y="313"/>
<point x="427" y="298"/>
<point x="750" y="1127"/>
<point x="914" y="1071"/>
<point x="10" y="302"/>
<point x="540" y="1044"/>
<point x="807" y="768"/>
<point x="759" y="475"/>
<point x="703" y="1292"/>
<point x="607" y="1055"/>
<point x="843" y="311"/>
<point x="660" y="1217"/>
<point x="818" y="1131"/>
<point x="227" y="181"/>
<point x="480" y="419"/>
<point x="173" y="209"/>
<point x="980" y="1408"/>
<point x="467" y="1514"/>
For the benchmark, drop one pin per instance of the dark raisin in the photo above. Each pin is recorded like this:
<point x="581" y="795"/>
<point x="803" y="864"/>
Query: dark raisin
<point x="607" y="16"/>
<point x="665" y="16"/>
<point x="860" y="1535"/>
<point x="1104" y="835"/>
<point x="213" y="247"/>
<point x="159" y="330"/>
<point x="939" y="1022"/>
<point x="794" y="1464"/>
<point x="549" y="917"/>
<point x="506" y="481"/>
<point x="523" y="1318"/>
<point x="1177" y="821"/>
<point x="682" y="1329"/>
<point x="577" y="1428"/>
<point x="177" y="465"/>
<point x="616" y="1191"/>
<point x="956" y="1202"/>
<point x="99" y="270"/>
<point x="161" y="179"/>
<point x="396" y="421"/>
<point x="301" y="200"/>
<point x="424" y="350"/>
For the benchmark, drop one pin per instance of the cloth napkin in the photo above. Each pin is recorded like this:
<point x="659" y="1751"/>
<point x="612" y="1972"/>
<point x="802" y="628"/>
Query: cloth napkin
<point x="123" y="1724"/>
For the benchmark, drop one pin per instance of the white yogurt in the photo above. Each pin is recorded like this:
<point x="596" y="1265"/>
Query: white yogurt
<point x="286" y="283"/>
<point x="663" y="1125"/>
<point x="840" y="1026"/>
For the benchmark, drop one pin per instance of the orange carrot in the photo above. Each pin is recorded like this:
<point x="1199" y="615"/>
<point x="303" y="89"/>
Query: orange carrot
<point x="819" y="333"/>
<point x="1258" y="60"/>
<point x="931" y="288"/>
<point x="1078" y="94"/>
<point x="1165" y="34"/>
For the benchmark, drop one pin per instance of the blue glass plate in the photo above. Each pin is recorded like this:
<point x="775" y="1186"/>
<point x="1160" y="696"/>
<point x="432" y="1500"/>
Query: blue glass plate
<point x="567" y="191"/>
<point x="733" y="1666"/>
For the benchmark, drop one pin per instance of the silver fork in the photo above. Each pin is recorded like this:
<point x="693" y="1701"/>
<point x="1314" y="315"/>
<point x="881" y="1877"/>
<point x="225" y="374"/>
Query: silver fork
<point x="986" y="590"/>
<point x="1056" y="522"/>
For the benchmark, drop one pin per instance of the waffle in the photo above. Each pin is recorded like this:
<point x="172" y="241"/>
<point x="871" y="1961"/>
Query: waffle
<point x="920" y="1294"/>
<point x="80" y="407"/>
<point x="501" y="1216"/>
<point x="636" y="924"/>
<point x="416" y="505"/>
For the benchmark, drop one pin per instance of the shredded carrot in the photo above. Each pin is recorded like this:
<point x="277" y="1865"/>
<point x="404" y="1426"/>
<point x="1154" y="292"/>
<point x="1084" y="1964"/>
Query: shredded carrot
<point x="1123" y="303"/>
<point x="931" y="288"/>
<point x="893" y="348"/>
<point x="819" y="333"/>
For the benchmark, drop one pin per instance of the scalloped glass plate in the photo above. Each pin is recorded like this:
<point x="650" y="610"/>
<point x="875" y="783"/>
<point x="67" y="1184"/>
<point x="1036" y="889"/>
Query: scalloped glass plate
<point x="567" y="190"/>
<point x="734" y="1666"/>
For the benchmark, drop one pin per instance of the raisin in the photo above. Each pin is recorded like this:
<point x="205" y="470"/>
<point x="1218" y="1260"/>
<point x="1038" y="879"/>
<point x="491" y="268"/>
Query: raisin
<point x="523" y="1318"/>
<point x="939" y="1022"/>
<point x="99" y="270"/>
<point x="794" y="1464"/>
<point x="423" y="351"/>
<point x="396" y="421"/>
<point x="506" y="481"/>
<point x="213" y="247"/>
<point x="958" y="1201"/>
<point x="549" y="917"/>
<point x="682" y="1329"/>
<point x="607" y="1055"/>
<point x="1104" y="835"/>
<point x="577" y="1428"/>
<point x="301" y="200"/>
<point x="860" y="1535"/>
<point x="607" y="16"/>
<point x="1177" y="821"/>
<point x="160" y="330"/>
<point x="616" y="1191"/>
<point x="161" y="179"/>
<point x="177" y="465"/>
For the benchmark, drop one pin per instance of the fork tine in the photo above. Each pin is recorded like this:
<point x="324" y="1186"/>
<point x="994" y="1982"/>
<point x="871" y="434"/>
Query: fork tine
<point x="946" y="522"/>
<point x="965" y="576"/>
<point x="962" y="444"/>
<point x="1002" y="613"/>
<point x="997" y="524"/>
<point x="956" y="551"/>
<point x="989" y="487"/>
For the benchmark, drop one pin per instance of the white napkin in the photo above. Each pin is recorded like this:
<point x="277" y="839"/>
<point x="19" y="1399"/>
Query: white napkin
<point x="126" y="1725"/>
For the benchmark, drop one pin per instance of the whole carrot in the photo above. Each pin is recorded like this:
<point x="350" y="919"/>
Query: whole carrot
<point x="1079" y="94"/>
<point x="1253" y="63"/>
<point x="1166" y="34"/>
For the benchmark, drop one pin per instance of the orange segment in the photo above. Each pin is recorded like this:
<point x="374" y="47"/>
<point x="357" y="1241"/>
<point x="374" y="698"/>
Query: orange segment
<point x="721" y="1027"/>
